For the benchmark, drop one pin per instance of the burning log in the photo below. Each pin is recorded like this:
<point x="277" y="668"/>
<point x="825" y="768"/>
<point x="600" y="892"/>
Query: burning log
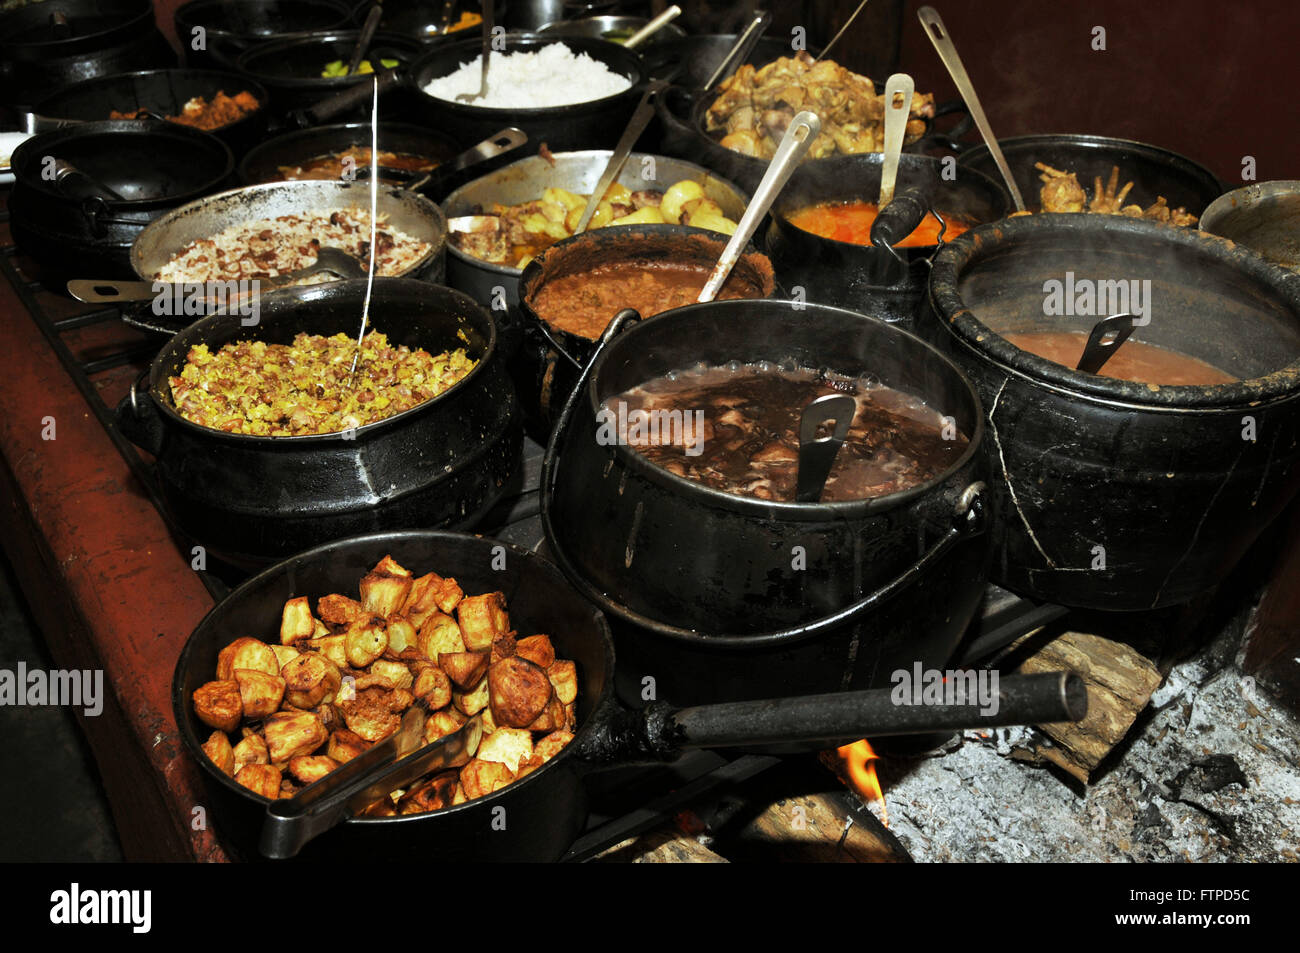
<point x="819" y="828"/>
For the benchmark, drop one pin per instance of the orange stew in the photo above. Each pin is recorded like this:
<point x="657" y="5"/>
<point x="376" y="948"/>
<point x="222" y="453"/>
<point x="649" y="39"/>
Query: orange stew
<point x="851" y="222"/>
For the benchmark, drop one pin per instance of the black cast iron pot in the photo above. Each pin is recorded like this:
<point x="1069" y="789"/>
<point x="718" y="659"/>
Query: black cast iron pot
<point x="44" y="46"/>
<point x="718" y="597"/>
<point x="162" y="92"/>
<point x="1114" y="494"/>
<point x="291" y="69"/>
<point x="544" y="811"/>
<point x="1154" y="171"/>
<point x="681" y="114"/>
<point x="878" y="281"/>
<point x="154" y="166"/>
<point x="213" y="33"/>
<point x="589" y="125"/>
<point x="550" y="359"/>
<point x="254" y="499"/>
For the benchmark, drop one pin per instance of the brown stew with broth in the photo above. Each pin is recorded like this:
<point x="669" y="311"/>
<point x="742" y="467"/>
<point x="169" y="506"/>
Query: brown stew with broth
<point x="1134" y="361"/>
<point x="736" y="429"/>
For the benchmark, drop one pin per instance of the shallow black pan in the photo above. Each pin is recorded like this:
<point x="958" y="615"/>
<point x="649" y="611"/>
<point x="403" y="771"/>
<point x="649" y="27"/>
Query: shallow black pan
<point x="229" y="27"/>
<point x="160" y="93"/>
<point x="263" y="163"/>
<point x="544" y="811"/>
<point x="1154" y="171"/>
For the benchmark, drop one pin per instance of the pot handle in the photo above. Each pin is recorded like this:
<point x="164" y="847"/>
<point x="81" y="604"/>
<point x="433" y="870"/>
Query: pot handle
<point x="138" y="420"/>
<point x="341" y="102"/>
<point x="660" y="732"/>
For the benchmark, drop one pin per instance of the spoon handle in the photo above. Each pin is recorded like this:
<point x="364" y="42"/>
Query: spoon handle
<point x="799" y="136"/>
<point x="943" y="45"/>
<point x="899" y="86"/>
<point x="653" y="27"/>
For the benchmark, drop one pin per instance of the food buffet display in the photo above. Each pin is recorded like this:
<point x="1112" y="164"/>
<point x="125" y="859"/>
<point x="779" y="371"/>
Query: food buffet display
<point x="301" y="444"/>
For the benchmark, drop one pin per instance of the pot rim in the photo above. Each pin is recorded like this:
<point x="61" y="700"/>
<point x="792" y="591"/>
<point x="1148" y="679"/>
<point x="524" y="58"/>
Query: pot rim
<point x="190" y="740"/>
<point x="527" y="42"/>
<point x="297" y="136"/>
<point x="182" y="15"/>
<point x="425" y="205"/>
<point x="133" y="22"/>
<point x="158" y="370"/>
<point x="788" y="511"/>
<point x="593" y="154"/>
<point x="129" y="127"/>
<point x="977" y="244"/>
<point x="1257" y="193"/>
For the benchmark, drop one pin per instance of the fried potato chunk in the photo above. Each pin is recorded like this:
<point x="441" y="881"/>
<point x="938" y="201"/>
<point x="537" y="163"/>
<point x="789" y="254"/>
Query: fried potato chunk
<point x="519" y="690"/>
<point x="439" y="634"/>
<point x="263" y="779"/>
<point x="260" y="693"/>
<point x="429" y="594"/>
<point x="310" y="679"/>
<point x="508" y="746"/>
<point x="564" y="676"/>
<point x="293" y="733"/>
<point x="296" y="621"/>
<point x="340" y="610"/>
<point x="384" y="593"/>
<point x="401" y="634"/>
<point x="218" y="704"/>
<point x="218" y="750"/>
<point x="251" y="750"/>
<point x="537" y="649"/>
<point x="482" y="619"/>
<point x="552" y="744"/>
<point x="284" y="654"/>
<point x="473" y="702"/>
<point x="433" y="687"/>
<point x="465" y="669"/>
<point x="332" y="647"/>
<point x="246" y="653"/>
<point x="374" y="713"/>
<point x="432" y="795"/>
<point x="481" y="777"/>
<point x="310" y="768"/>
<point x="364" y="641"/>
<point x="345" y="745"/>
<point x="442" y="723"/>
<point x="398" y="673"/>
<point x="550" y="719"/>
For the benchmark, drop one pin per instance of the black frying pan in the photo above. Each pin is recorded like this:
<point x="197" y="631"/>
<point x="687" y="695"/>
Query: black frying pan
<point x="544" y="811"/>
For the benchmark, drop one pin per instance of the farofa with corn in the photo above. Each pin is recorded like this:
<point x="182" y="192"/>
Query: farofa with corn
<point x="300" y="389"/>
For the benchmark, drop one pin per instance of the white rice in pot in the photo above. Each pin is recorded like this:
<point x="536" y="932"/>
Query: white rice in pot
<point x="552" y="76"/>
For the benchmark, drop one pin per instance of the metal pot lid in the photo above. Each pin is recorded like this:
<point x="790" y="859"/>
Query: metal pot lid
<point x="1193" y="293"/>
<point x="1263" y="216"/>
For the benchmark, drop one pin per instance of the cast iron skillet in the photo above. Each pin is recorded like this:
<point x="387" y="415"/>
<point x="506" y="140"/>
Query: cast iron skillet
<point x="263" y="163"/>
<point x="162" y="92"/>
<point x="544" y="811"/>
<point x="1153" y="170"/>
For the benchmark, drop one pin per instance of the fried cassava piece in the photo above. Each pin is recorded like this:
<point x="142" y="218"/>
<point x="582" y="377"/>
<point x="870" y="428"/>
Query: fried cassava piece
<point x="339" y="680"/>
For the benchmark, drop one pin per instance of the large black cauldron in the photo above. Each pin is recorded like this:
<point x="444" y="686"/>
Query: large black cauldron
<point x="254" y="499"/>
<point x="721" y="597"/>
<point x="1114" y="494"/>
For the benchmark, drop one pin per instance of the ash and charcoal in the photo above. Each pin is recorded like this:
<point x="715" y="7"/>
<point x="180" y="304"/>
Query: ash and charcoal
<point x="1210" y="773"/>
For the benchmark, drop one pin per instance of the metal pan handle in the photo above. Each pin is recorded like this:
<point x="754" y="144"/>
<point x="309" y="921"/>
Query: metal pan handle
<point x="137" y="418"/>
<point x="350" y="98"/>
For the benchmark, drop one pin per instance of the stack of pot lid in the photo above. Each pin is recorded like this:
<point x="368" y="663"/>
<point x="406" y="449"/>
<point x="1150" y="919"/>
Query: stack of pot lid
<point x="1122" y="494"/>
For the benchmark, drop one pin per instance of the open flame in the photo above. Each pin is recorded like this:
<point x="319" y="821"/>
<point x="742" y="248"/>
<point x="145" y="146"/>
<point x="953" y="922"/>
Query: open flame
<point x="858" y="758"/>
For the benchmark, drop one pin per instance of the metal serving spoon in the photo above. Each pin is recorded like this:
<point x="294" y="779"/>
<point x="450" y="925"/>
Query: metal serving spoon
<point x="736" y="57"/>
<point x="1106" y="337"/>
<point x="645" y="111"/>
<point x="487" y="56"/>
<point x="817" y="454"/>
<point x="943" y="45"/>
<point x="900" y="85"/>
<point x="799" y="136"/>
<point x="653" y="27"/>
<point x="363" y="41"/>
<point x="328" y="259"/>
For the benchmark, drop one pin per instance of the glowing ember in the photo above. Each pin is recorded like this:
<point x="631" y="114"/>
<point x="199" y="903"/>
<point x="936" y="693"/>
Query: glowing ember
<point x="857" y="758"/>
